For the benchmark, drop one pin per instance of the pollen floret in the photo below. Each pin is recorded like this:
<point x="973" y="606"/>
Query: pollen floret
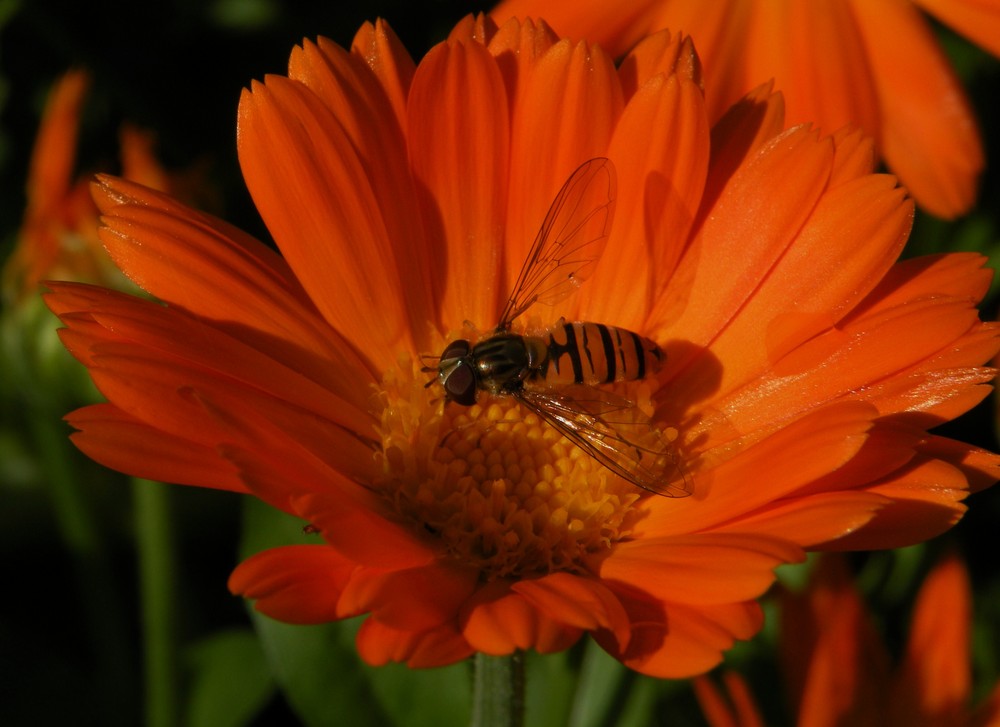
<point x="504" y="491"/>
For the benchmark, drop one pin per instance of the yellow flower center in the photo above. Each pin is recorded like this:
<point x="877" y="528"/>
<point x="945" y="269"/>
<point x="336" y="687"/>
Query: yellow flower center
<point x="504" y="491"/>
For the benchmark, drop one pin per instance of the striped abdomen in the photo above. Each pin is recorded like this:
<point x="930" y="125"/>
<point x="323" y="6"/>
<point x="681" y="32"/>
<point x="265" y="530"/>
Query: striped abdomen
<point x="593" y="353"/>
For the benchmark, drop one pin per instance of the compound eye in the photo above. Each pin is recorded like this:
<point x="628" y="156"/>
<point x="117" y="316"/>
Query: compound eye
<point x="460" y="385"/>
<point x="456" y="349"/>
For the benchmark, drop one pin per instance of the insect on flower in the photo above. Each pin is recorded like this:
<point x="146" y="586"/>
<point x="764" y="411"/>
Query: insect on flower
<point x="556" y="374"/>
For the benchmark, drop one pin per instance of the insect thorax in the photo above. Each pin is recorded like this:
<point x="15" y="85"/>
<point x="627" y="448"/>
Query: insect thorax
<point x="505" y="360"/>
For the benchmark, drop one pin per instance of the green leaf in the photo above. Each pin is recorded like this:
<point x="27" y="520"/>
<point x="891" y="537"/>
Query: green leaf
<point x="439" y="697"/>
<point x="267" y="527"/>
<point x="320" y="673"/>
<point x="601" y="680"/>
<point x="231" y="681"/>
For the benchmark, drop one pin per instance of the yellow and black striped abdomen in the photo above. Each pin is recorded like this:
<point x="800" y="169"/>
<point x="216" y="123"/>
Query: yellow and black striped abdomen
<point x="593" y="353"/>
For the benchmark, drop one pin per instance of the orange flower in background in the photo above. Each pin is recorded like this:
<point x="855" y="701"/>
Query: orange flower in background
<point x="803" y="365"/>
<point x="59" y="235"/>
<point x="874" y="64"/>
<point x="839" y="671"/>
<point x="58" y="238"/>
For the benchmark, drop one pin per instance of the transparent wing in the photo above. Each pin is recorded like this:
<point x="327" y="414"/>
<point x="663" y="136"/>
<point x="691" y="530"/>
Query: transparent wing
<point x="615" y="432"/>
<point x="570" y="242"/>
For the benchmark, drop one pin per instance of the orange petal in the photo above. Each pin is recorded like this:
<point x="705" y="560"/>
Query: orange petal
<point x="188" y="397"/>
<point x="583" y="603"/>
<point x="685" y="641"/>
<point x="116" y="440"/>
<point x="618" y="30"/>
<point x="720" y="33"/>
<point x="358" y="527"/>
<point x="298" y="584"/>
<point x="54" y="154"/>
<point x="935" y="679"/>
<point x="960" y="275"/>
<point x="458" y="120"/>
<point x="552" y="133"/>
<point x="887" y="335"/>
<point x="381" y="49"/>
<point x="813" y="519"/>
<point x="434" y="594"/>
<point x="823" y="274"/>
<point x="940" y="393"/>
<point x="855" y="155"/>
<point x="248" y="420"/>
<point x="714" y="706"/>
<point x="834" y="662"/>
<point x="795" y="456"/>
<point x="702" y="569"/>
<point x="280" y="481"/>
<point x="517" y="47"/>
<point x="717" y="711"/>
<point x="739" y="692"/>
<point x="663" y="52"/>
<point x="657" y="200"/>
<point x="925" y="500"/>
<point x="228" y="276"/>
<point x="352" y="519"/>
<point x="815" y="53"/>
<point x="746" y="126"/>
<point x="978" y="20"/>
<point x="348" y="87"/>
<point x="379" y="644"/>
<point x="928" y="135"/>
<point x="312" y="189"/>
<point x="476" y="27"/>
<point x="190" y="402"/>
<point x="845" y="361"/>
<point x="498" y="621"/>
<point x="980" y="467"/>
<point x="173" y="333"/>
<point x="139" y="162"/>
<point x="754" y="220"/>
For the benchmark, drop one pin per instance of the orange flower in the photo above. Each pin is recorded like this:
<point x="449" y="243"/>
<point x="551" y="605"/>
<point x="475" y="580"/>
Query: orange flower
<point x="838" y="670"/>
<point x="837" y="62"/>
<point x="802" y="366"/>
<point x="58" y="238"/>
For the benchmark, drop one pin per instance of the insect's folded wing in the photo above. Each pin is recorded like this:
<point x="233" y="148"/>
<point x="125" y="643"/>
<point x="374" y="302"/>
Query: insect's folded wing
<point x="570" y="241"/>
<point x="614" y="431"/>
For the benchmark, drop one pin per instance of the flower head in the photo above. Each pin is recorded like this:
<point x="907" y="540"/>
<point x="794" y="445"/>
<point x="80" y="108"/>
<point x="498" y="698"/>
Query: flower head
<point x="839" y="671"/>
<point x="837" y="62"/>
<point x="802" y="368"/>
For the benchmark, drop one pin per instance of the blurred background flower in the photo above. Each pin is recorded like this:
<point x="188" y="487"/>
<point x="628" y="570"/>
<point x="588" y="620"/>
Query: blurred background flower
<point x="838" y="667"/>
<point x="58" y="236"/>
<point x="877" y="65"/>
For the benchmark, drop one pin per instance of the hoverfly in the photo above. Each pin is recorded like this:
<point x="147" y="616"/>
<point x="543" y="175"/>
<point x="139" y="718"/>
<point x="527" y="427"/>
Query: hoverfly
<point x="556" y="374"/>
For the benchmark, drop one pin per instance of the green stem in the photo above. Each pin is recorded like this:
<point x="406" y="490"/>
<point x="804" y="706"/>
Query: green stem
<point x="73" y="509"/>
<point x="70" y="505"/>
<point x="498" y="694"/>
<point x="156" y="583"/>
